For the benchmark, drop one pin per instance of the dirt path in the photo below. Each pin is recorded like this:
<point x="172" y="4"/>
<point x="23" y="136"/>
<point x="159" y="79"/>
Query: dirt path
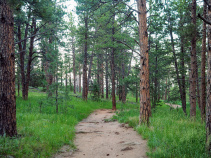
<point x="173" y="105"/>
<point x="96" y="138"/>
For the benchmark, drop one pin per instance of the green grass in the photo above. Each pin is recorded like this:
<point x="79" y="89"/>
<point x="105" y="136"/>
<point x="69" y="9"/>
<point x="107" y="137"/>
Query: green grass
<point x="41" y="131"/>
<point x="170" y="134"/>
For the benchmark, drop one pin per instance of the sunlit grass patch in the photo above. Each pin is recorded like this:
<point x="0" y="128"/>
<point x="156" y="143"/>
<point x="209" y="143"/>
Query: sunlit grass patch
<point x="41" y="131"/>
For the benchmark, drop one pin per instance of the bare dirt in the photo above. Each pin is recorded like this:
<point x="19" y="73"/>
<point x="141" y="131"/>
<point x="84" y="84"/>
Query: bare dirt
<point x="173" y="105"/>
<point x="97" y="137"/>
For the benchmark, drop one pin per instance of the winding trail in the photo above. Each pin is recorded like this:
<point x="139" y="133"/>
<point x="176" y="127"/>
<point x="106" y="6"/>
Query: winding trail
<point x="97" y="138"/>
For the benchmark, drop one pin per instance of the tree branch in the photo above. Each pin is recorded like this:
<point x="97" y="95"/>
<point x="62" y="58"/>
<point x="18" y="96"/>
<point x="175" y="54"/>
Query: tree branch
<point x="36" y="57"/>
<point x="31" y="37"/>
<point x="129" y="47"/>
<point x="136" y="41"/>
<point x="131" y="8"/>
<point x="207" y="3"/>
<point x="205" y="20"/>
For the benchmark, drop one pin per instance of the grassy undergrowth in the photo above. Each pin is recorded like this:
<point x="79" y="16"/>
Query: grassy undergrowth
<point x="42" y="132"/>
<point x="171" y="134"/>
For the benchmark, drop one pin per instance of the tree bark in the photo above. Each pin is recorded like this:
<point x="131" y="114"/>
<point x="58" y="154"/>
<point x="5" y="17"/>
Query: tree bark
<point x="79" y="78"/>
<point x="85" y="92"/>
<point x="203" y="63"/>
<point x="113" y="68"/>
<point x="22" y="50"/>
<point x="193" y="67"/>
<point x="18" y="78"/>
<point x="74" y="72"/>
<point x="197" y="86"/>
<point x="145" y="106"/>
<point x="7" y="72"/>
<point x="136" y="92"/>
<point x="57" y="84"/>
<point x="106" y="77"/>
<point x="208" y="105"/>
<point x="155" y="95"/>
<point x="113" y="80"/>
<point x="98" y="74"/>
<point x="70" y="82"/>
<point x="183" y="89"/>
<point x="90" y="69"/>
<point x="102" y="78"/>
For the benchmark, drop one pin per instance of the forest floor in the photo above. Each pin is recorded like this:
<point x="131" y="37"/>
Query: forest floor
<point x="99" y="136"/>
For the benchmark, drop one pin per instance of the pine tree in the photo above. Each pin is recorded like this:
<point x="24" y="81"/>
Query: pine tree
<point x="208" y="105"/>
<point x="7" y="72"/>
<point x="203" y="63"/>
<point x="193" y="63"/>
<point x="145" y="106"/>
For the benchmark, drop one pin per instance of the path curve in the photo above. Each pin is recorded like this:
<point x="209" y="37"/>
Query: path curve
<point x="173" y="105"/>
<point x="97" y="138"/>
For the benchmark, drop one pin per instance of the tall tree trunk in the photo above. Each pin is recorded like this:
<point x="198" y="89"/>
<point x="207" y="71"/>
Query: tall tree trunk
<point x="18" y="78"/>
<point x="48" y="66"/>
<point x="176" y="66"/>
<point x="113" y="79"/>
<point x="90" y="69"/>
<point x="70" y="83"/>
<point x="193" y="63"/>
<point x="123" y="83"/>
<point x="98" y="74"/>
<point x="145" y="106"/>
<point x="155" y="82"/>
<point x="203" y="63"/>
<point x="106" y="77"/>
<point x="120" y="92"/>
<point x="74" y="72"/>
<point x="117" y="83"/>
<point x="166" y="91"/>
<point x="136" y="92"/>
<point x="208" y="105"/>
<point x="79" y="78"/>
<point x="85" y="92"/>
<point x="102" y="78"/>
<point x="113" y="67"/>
<point x="22" y="51"/>
<point x="183" y="89"/>
<point x="112" y="64"/>
<point x="197" y="86"/>
<point x="31" y="47"/>
<point x="57" y="84"/>
<point x="7" y="72"/>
